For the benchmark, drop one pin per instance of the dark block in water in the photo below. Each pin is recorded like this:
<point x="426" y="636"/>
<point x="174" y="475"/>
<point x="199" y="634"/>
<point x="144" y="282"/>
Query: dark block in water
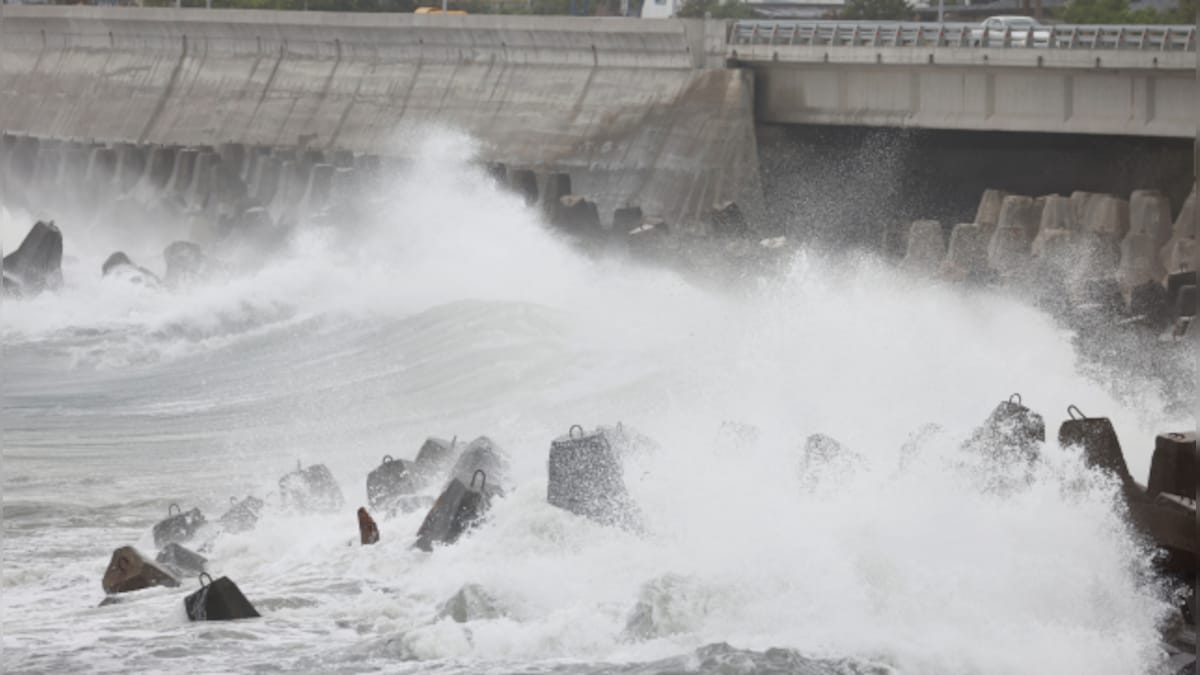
<point x="311" y="490"/>
<point x="182" y="561"/>
<point x="1173" y="466"/>
<point x="1012" y="427"/>
<point x="129" y="570"/>
<point x="36" y="265"/>
<point x="483" y="454"/>
<point x="242" y="516"/>
<point x="459" y="508"/>
<point x="435" y="456"/>
<point x="1098" y="440"/>
<point x="390" y="480"/>
<point x="178" y="526"/>
<point x="586" y="479"/>
<point x="220" y="600"/>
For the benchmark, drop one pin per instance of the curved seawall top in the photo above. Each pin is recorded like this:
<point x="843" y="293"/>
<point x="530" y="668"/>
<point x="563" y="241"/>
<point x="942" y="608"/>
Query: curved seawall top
<point x="637" y="111"/>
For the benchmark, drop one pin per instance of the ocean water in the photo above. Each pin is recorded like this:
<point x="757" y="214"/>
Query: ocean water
<point x="449" y="309"/>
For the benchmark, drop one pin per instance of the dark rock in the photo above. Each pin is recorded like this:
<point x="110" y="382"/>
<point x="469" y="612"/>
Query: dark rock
<point x="36" y="265"/>
<point x="119" y="265"/>
<point x="1011" y="430"/>
<point x="178" y="526"/>
<point x="586" y="479"/>
<point x="181" y="561"/>
<point x="219" y="600"/>
<point x="311" y="490"/>
<point x="242" y="516"/>
<point x="460" y="507"/>
<point x="482" y="455"/>
<point x="186" y="263"/>
<point x="368" y="531"/>
<point x="129" y="570"/>
<point x="470" y="603"/>
<point x="390" y="480"/>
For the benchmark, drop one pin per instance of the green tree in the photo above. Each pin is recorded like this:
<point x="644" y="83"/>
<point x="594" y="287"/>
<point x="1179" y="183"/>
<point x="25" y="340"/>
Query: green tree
<point x="876" y="10"/>
<point x="733" y="9"/>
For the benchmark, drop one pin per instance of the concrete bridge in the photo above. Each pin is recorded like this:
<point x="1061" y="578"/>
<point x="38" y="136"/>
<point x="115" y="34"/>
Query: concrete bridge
<point x="1134" y="81"/>
<point x="655" y="113"/>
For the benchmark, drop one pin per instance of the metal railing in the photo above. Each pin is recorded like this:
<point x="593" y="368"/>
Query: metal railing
<point x="897" y="34"/>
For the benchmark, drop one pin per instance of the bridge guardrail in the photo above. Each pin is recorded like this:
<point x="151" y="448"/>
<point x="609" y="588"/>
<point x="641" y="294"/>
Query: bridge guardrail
<point x="1180" y="38"/>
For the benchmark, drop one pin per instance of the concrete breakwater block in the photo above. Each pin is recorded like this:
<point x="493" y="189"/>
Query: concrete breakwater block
<point x="120" y="266"/>
<point x="393" y="478"/>
<point x="1011" y="243"/>
<point x="1107" y="216"/>
<point x="460" y="507"/>
<point x="436" y="456"/>
<point x="311" y="490"/>
<point x="1150" y="213"/>
<point x="242" y="515"/>
<point x="1173" y="465"/>
<point x="586" y="478"/>
<point x="987" y="215"/>
<point x="482" y="454"/>
<point x="186" y="263"/>
<point x="36" y="265"/>
<point x="368" y="531"/>
<point x="966" y="256"/>
<point x="578" y="216"/>
<point x="219" y="600"/>
<point x="1139" y="261"/>
<point x="178" y="526"/>
<point x="824" y="458"/>
<point x="926" y="247"/>
<point x="129" y="570"/>
<point x="1012" y="429"/>
<point x="1181" y="252"/>
<point x="471" y="603"/>
<point x="1166" y="518"/>
<point x="626" y="219"/>
<point x="181" y="561"/>
<point x="725" y="219"/>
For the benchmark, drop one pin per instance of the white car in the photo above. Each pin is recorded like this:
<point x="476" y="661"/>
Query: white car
<point x="1022" y="31"/>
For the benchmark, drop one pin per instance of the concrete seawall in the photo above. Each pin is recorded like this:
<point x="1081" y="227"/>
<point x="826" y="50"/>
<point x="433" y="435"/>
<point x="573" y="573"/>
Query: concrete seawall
<point x="637" y="112"/>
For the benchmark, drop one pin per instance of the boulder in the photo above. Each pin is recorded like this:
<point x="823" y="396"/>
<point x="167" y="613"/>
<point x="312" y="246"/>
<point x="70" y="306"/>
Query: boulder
<point x="219" y="600"/>
<point x="242" y="516"/>
<point x="178" y="526"/>
<point x="390" y="480"/>
<point x="460" y="507"/>
<point x="181" y="561"/>
<point x="470" y="603"/>
<point x="368" y="531"/>
<point x="1012" y="430"/>
<point x="586" y="478"/>
<point x="36" y="265"/>
<point x="311" y="490"/>
<point x="1011" y="242"/>
<point x="129" y="570"/>
<point x="926" y="247"/>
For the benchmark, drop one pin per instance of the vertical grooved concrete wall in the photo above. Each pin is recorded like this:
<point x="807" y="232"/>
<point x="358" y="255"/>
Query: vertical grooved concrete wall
<point x="638" y="112"/>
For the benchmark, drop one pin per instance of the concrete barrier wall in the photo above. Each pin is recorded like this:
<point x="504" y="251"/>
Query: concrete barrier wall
<point x="631" y="109"/>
